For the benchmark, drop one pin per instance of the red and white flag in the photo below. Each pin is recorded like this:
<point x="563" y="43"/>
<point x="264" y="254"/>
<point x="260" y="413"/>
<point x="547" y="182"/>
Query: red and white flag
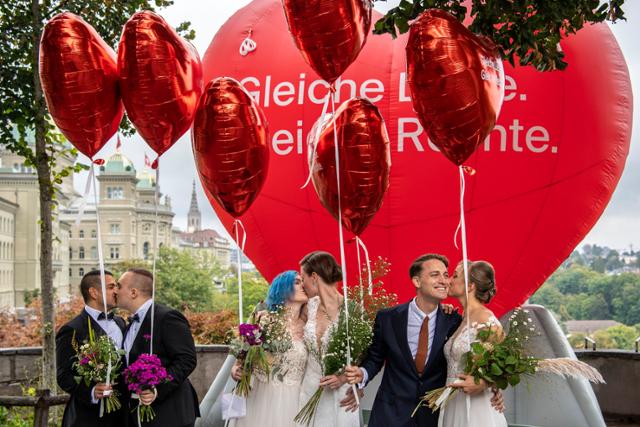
<point x="118" y="144"/>
<point x="147" y="161"/>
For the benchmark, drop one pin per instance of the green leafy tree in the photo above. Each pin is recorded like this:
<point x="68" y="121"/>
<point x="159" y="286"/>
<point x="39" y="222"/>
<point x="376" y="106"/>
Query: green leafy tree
<point x="23" y="110"/>
<point x="622" y="337"/>
<point x="186" y="279"/>
<point x="254" y="291"/>
<point x="528" y="30"/>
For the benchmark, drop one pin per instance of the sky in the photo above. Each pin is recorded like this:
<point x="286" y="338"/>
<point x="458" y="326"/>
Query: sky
<point x="618" y="227"/>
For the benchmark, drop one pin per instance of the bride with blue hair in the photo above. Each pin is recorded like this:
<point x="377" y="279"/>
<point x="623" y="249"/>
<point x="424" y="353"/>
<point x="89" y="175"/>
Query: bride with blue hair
<point x="273" y="401"/>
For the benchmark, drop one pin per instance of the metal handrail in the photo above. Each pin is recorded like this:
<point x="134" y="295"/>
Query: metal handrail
<point x="637" y="343"/>
<point x="588" y="341"/>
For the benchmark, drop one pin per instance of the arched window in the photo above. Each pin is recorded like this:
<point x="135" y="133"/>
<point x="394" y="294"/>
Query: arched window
<point x="81" y="272"/>
<point x="81" y="252"/>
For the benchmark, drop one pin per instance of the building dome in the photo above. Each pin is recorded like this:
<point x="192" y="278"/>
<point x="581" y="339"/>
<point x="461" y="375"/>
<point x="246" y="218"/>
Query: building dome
<point x="118" y="163"/>
<point x="146" y="179"/>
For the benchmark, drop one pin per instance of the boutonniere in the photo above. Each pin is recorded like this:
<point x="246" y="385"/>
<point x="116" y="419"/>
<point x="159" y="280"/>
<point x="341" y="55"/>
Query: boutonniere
<point x="147" y="337"/>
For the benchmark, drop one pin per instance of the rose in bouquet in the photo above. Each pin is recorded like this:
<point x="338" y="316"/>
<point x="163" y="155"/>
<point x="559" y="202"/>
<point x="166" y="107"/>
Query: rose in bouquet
<point x="145" y="373"/>
<point x="258" y="343"/>
<point x="97" y="360"/>
<point x="502" y="360"/>
<point x="334" y="360"/>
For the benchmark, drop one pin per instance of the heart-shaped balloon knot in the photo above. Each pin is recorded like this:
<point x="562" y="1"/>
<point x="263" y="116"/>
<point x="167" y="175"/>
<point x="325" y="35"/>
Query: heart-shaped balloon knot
<point x="154" y="165"/>
<point x="248" y="45"/>
<point x="332" y="87"/>
<point x="98" y="162"/>
<point x="469" y="170"/>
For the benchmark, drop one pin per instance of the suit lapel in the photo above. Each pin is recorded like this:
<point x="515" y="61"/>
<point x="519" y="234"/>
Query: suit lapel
<point x="439" y="337"/>
<point x="400" y="321"/>
<point x="97" y="329"/>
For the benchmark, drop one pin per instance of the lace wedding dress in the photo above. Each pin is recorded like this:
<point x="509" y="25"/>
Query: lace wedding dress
<point x="481" y="413"/>
<point x="329" y="413"/>
<point x="275" y="402"/>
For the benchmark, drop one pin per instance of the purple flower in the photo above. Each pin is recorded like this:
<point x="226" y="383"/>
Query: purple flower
<point x="84" y="361"/>
<point x="250" y="333"/>
<point x="145" y="373"/>
<point x="147" y="337"/>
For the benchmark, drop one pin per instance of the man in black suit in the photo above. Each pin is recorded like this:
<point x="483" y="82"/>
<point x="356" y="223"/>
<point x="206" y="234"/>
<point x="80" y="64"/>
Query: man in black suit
<point x="83" y="408"/>
<point x="408" y="340"/>
<point x="175" y="403"/>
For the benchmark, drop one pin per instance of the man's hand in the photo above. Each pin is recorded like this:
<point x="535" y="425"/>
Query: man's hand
<point x="334" y="382"/>
<point x="468" y="384"/>
<point x="497" y="400"/>
<point x="354" y="374"/>
<point x="236" y="371"/>
<point x="102" y="390"/>
<point x="349" y="402"/>
<point x="448" y="308"/>
<point x="147" y="397"/>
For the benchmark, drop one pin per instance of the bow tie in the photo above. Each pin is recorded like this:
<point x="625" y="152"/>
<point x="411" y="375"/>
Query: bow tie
<point x="134" y="318"/>
<point x="109" y="316"/>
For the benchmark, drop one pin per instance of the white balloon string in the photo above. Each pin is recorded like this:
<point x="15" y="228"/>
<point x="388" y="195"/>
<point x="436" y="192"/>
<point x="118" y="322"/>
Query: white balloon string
<point x="361" y="244"/>
<point x="343" y="259"/>
<point x="85" y="197"/>
<point x="361" y="286"/>
<point x="103" y="279"/>
<point x="155" y="255"/>
<point x="237" y="224"/>
<point x="463" y="233"/>
<point x="319" y="126"/>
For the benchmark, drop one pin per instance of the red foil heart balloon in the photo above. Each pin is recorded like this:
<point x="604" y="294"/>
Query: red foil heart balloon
<point x="160" y="79"/>
<point x="231" y="145"/>
<point x="79" y="79"/>
<point x="457" y="83"/>
<point x="329" y="33"/>
<point x="365" y="161"/>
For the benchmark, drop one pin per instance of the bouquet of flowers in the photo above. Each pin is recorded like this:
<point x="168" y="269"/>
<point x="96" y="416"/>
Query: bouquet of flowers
<point x="258" y="343"/>
<point x="145" y="373"/>
<point x="92" y="365"/>
<point x="334" y="360"/>
<point x="502" y="361"/>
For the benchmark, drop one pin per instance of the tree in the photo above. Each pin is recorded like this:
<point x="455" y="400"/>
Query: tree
<point x="529" y="30"/>
<point x="23" y="109"/>
<point x="185" y="280"/>
<point x="254" y="291"/>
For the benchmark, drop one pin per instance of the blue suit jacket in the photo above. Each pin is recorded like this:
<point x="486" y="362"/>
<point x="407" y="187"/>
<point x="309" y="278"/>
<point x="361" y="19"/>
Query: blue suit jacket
<point x="402" y="387"/>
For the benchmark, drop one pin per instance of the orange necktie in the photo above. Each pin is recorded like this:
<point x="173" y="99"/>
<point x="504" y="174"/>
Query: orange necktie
<point x="423" y="346"/>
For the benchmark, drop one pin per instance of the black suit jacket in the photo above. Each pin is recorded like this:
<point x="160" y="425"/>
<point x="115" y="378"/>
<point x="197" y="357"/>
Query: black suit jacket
<point x="80" y="412"/>
<point x="401" y="386"/>
<point x="177" y="402"/>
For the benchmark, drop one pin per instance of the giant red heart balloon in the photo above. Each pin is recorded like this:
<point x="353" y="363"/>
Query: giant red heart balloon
<point x="457" y="83"/>
<point x="230" y="145"/>
<point x="543" y="177"/>
<point x="365" y="161"/>
<point x="329" y="34"/>
<point x="80" y="82"/>
<point x="160" y="79"/>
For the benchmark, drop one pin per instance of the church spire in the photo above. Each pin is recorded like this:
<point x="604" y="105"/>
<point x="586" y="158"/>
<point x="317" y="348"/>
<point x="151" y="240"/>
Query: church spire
<point x="194" y="217"/>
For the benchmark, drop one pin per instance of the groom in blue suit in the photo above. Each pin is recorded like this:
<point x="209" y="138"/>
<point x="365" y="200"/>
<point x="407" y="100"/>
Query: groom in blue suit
<point x="408" y="341"/>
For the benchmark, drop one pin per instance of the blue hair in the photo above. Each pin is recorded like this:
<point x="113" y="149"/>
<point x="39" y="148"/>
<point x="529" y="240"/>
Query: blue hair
<point x="281" y="289"/>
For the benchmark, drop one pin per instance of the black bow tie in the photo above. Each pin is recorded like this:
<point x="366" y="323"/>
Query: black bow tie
<point x="109" y="316"/>
<point x="134" y="318"/>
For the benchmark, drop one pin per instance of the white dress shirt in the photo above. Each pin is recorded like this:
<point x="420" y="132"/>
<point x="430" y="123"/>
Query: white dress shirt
<point x="111" y="328"/>
<point x="414" y="323"/>
<point x="135" y="327"/>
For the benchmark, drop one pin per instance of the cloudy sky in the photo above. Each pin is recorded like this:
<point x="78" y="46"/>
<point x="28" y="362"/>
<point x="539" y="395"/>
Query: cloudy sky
<point x="619" y="226"/>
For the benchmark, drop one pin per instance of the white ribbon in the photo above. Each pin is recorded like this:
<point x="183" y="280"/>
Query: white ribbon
<point x="319" y="127"/>
<point x="463" y="233"/>
<point x="238" y="224"/>
<point x="361" y="244"/>
<point x="87" y="189"/>
<point x="343" y="259"/>
<point x="247" y="46"/>
<point x="155" y="255"/>
<point x="103" y="280"/>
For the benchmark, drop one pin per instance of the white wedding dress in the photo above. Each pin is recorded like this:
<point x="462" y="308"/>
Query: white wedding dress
<point x="329" y="413"/>
<point x="481" y="413"/>
<point x="274" y="403"/>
